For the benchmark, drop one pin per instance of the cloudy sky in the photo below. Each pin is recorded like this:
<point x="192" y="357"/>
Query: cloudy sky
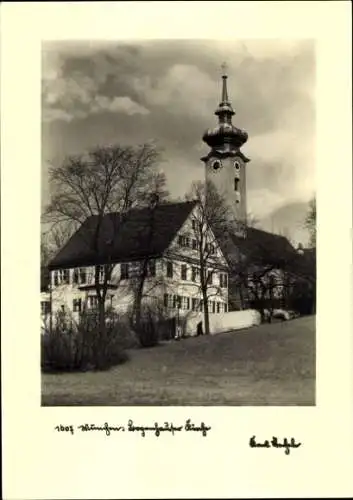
<point x="167" y="91"/>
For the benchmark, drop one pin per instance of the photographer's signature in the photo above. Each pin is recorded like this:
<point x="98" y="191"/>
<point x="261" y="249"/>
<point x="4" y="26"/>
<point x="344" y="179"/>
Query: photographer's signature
<point x="286" y="444"/>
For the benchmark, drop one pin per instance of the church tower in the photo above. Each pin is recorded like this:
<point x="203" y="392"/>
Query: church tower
<point x="225" y="164"/>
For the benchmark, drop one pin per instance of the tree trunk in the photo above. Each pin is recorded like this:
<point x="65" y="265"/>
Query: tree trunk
<point x="138" y="298"/>
<point x="102" y="341"/>
<point x="206" y="314"/>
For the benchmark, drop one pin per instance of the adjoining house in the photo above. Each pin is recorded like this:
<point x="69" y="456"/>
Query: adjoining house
<point x="161" y="237"/>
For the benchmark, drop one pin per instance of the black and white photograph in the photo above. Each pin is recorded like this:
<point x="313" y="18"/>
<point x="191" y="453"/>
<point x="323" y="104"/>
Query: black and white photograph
<point x="178" y="223"/>
<point x="176" y="300"/>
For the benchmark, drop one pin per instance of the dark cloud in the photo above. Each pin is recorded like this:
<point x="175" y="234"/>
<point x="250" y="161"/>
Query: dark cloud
<point x="168" y="91"/>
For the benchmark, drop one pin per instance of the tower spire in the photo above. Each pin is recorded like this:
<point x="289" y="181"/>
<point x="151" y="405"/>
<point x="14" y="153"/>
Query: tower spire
<point x="224" y="84"/>
<point x="224" y="110"/>
<point x="225" y="137"/>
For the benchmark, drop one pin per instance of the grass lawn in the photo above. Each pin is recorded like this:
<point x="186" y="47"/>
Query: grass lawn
<point x="265" y="365"/>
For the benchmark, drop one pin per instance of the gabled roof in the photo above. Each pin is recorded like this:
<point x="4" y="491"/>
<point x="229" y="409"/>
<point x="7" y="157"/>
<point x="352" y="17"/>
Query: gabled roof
<point x="140" y="233"/>
<point x="273" y="250"/>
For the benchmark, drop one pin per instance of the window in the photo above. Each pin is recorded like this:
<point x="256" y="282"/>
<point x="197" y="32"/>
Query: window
<point x="184" y="272"/>
<point x="213" y="307"/>
<point x="152" y="268"/>
<point x="218" y="307"/>
<point x="223" y="280"/>
<point x="237" y="165"/>
<point x="66" y="276"/>
<point x="194" y="244"/>
<point x="225" y="307"/>
<point x="209" y="277"/>
<point x="184" y="241"/>
<point x="83" y="276"/>
<point x="125" y="271"/>
<point x="76" y="305"/>
<point x="209" y="248"/>
<point x="176" y="301"/>
<point x="236" y="184"/>
<point x="56" y="278"/>
<point x="168" y="300"/>
<point x="185" y="303"/>
<point x="45" y="307"/>
<point x="169" y="269"/>
<point x="194" y="304"/>
<point x="195" y="273"/>
<point x="92" y="302"/>
<point x="101" y="274"/>
<point x="194" y="224"/>
<point x="75" y="277"/>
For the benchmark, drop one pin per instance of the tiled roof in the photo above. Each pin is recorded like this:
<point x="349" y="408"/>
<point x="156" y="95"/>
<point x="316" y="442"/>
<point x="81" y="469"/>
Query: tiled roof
<point x="265" y="248"/>
<point x="269" y="249"/>
<point x="142" y="233"/>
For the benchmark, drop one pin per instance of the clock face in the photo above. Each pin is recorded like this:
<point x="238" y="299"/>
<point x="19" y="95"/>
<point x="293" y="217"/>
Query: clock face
<point x="237" y="165"/>
<point x="216" y="165"/>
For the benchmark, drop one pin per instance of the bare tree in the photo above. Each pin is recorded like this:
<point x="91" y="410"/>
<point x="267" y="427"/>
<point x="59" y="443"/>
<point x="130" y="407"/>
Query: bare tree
<point x="53" y="239"/>
<point x="212" y="223"/>
<point x="107" y="180"/>
<point x="146" y="267"/>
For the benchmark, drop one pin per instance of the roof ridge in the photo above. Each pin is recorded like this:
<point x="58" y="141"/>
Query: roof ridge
<point x="147" y="207"/>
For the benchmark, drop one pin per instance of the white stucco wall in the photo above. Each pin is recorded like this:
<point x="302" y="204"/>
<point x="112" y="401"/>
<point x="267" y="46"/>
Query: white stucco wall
<point x="219" y="323"/>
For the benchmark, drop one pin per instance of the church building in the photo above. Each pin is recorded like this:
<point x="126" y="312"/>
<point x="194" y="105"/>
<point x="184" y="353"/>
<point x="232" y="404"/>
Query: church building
<point x="173" y="268"/>
<point x="257" y="259"/>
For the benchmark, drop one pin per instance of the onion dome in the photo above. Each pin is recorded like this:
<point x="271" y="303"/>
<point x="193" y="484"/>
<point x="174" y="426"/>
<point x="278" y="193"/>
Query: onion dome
<point x="225" y="134"/>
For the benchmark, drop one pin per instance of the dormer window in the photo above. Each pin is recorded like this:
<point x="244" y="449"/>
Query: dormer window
<point x="237" y="165"/>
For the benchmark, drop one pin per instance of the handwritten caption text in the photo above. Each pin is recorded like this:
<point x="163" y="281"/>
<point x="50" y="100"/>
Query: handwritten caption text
<point x="156" y="429"/>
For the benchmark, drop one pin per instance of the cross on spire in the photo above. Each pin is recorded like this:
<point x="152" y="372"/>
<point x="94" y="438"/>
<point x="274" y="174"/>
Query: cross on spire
<point x="224" y="67"/>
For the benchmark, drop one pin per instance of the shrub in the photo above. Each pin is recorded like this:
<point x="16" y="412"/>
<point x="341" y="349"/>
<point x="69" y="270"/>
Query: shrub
<point x="71" y="346"/>
<point x="149" y="331"/>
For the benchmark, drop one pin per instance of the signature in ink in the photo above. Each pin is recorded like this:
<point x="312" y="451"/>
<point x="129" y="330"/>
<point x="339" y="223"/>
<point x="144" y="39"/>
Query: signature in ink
<point x="275" y="443"/>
